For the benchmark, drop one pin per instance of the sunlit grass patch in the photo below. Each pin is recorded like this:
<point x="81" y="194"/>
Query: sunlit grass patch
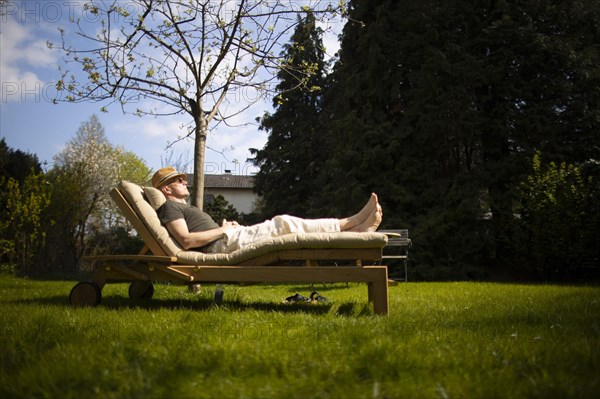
<point x="440" y="340"/>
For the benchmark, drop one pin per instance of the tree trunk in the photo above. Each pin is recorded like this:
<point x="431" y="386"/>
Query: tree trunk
<point x="199" y="158"/>
<point x="497" y="168"/>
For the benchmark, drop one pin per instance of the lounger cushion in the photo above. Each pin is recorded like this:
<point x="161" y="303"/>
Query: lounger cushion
<point x="134" y="194"/>
<point x="270" y="247"/>
<point x="155" y="197"/>
<point x="139" y="199"/>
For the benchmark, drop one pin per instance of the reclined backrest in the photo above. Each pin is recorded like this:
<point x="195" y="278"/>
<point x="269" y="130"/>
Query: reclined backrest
<point x="133" y="201"/>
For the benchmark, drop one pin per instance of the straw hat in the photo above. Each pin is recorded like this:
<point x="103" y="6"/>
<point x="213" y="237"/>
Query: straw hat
<point x="165" y="174"/>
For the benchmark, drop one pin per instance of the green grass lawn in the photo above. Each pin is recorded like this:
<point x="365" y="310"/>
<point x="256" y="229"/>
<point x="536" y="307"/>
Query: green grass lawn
<point x="441" y="340"/>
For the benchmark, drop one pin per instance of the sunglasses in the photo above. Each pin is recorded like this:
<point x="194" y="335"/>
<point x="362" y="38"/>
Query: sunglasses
<point x="179" y="180"/>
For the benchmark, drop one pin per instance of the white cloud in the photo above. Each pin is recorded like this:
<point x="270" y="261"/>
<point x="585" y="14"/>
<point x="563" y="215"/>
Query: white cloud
<point x="22" y="52"/>
<point x="235" y="144"/>
<point x="148" y="127"/>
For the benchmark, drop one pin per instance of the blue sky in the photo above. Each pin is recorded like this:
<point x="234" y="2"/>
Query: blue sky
<point x="29" y="121"/>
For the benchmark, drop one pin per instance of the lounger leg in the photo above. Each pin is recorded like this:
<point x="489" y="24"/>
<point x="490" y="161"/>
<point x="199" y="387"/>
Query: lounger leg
<point x="100" y="278"/>
<point x="378" y="292"/>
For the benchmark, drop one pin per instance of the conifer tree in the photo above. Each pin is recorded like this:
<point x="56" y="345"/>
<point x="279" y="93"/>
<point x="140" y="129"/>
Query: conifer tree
<point x="294" y="153"/>
<point x="362" y="111"/>
<point x="438" y="106"/>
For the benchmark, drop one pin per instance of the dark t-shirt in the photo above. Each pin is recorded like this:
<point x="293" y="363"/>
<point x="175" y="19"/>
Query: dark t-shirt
<point x="195" y="219"/>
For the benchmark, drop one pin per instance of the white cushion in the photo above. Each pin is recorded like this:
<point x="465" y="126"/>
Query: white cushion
<point x="155" y="197"/>
<point x="271" y="246"/>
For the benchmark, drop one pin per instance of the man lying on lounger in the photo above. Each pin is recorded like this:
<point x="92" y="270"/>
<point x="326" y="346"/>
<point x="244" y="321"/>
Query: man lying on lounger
<point x="195" y="229"/>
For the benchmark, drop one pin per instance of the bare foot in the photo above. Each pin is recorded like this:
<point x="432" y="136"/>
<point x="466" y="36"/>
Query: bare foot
<point x="371" y="223"/>
<point x="376" y="219"/>
<point x="370" y="207"/>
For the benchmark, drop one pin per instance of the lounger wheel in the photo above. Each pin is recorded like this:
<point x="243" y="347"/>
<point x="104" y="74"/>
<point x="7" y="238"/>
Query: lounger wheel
<point x="85" y="293"/>
<point x="141" y="290"/>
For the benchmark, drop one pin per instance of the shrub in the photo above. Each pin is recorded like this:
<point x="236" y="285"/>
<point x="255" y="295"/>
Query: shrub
<point x="22" y="233"/>
<point x="558" y="220"/>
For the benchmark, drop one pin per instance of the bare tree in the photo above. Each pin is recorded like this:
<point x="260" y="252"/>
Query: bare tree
<point x="186" y="56"/>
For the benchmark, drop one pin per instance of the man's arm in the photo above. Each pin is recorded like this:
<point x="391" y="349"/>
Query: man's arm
<point x="179" y="230"/>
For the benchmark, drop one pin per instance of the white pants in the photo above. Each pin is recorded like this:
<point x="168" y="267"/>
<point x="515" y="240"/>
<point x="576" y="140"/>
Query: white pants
<point x="235" y="239"/>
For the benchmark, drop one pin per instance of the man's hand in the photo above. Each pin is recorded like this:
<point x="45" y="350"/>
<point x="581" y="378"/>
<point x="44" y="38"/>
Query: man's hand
<point x="229" y="225"/>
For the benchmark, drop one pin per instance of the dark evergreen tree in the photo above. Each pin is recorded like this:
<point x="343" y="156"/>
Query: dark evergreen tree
<point x="361" y="111"/>
<point x="439" y="106"/>
<point x="294" y="153"/>
<point x="219" y="208"/>
<point x="16" y="163"/>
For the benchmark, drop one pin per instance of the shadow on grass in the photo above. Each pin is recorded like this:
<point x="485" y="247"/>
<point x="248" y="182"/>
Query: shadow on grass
<point x="117" y="302"/>
<point x="354" y="309"/>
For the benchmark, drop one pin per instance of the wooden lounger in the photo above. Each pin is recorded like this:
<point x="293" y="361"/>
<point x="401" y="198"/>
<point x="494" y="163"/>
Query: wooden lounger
<point x="265" y="261"/>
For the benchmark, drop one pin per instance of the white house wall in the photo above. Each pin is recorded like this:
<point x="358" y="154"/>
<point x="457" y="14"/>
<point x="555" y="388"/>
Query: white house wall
<point x="242" y="200"/>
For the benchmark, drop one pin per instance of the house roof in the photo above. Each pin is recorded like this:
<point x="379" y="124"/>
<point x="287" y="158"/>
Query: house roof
<point x="226" y="180"/>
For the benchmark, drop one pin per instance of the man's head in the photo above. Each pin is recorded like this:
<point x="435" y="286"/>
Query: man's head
<point x="172" y="184"/>
<point x="165" y="176"/>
